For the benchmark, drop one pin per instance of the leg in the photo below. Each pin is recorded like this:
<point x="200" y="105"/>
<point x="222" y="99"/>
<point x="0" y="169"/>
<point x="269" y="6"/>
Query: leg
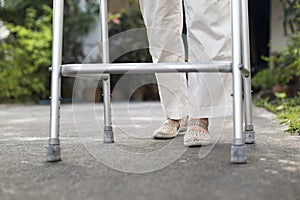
<point x="208" y="26"/>
<point x="238" y="149"/>
<point x="108" y="136"/>
<point x="209" y="40"/>
<point x="166" y="45"/>
<point x="249" y="130"/>
<point x="53" y="153"/>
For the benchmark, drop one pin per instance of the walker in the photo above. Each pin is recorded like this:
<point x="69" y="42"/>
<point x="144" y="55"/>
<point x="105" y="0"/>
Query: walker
<point x="239" y="67"/>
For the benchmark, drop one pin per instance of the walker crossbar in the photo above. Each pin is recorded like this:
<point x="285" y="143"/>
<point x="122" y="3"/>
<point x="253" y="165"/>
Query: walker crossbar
<point x="139" y="68"/>
<point x="239" y="67"/>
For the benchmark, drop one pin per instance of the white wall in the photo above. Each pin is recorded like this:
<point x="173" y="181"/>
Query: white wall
<point x="277" y="39"/>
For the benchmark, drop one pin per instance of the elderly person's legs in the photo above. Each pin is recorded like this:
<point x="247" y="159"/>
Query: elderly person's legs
<point x="164" y="22"/>
<point x="209" y="39"/>
<point x="209" y="30"/>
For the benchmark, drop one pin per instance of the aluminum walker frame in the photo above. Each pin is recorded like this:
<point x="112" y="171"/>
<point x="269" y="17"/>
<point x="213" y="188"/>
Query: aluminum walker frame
<point x="239" y="67"/>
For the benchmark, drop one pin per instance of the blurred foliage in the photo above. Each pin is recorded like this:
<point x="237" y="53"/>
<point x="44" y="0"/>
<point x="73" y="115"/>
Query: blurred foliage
<point x="14" y="11"/>
<point x="78" y="19"/>
<point x="25" y="57"/>
<point x="124" y="20"/>
<point x="120" y="22"/>
<point x="287" y="63"/>
<point x="26" y="53"/>
<point x="284" y="73"/>
<point x="286" y="109"/>
<point x="291" y="18"/>
<point x="263" y="79"/>
<point x="284" y="69"/>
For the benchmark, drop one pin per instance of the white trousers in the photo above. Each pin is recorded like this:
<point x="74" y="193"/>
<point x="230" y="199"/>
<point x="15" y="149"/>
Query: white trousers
<point x="204" y="95"/>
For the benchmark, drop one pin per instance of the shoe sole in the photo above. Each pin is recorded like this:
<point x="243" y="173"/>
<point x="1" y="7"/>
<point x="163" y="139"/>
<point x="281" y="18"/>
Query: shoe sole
<point x="163" y="137"/>
<point x="196" y="143"/>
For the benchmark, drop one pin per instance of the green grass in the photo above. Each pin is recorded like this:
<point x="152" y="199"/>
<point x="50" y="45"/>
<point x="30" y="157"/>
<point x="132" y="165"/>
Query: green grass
<point x="286" y="109"/>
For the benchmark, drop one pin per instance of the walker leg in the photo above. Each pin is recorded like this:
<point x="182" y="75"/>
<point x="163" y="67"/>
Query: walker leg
<point x="53" y="151"/>
<point x="238" y="149"/>
<point x="249" y="136"/>
<point x="108" y="136"/>
<point x="249" y="130"/>
<point x="238" y="154"/>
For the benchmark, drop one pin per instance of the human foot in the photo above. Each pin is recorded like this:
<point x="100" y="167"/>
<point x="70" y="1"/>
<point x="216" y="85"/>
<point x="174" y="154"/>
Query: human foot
<point x="197" y="133"/>
<point x="169" y="129"/>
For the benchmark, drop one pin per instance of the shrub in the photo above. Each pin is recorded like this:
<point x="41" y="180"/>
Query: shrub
<point x="263" y="79"/>
<point x="25" y="58"/>
<point x="26" y="53"/>
<point x="284" y="70"/>
<point x="286" y="109"/>
<point x="287" y="64"/>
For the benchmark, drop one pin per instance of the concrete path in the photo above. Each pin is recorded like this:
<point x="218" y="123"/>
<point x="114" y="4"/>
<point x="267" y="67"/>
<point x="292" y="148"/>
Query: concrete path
<point x="136" y="166"/>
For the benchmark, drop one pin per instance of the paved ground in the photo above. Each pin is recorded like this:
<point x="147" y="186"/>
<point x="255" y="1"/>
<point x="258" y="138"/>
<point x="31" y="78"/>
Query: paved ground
<point x="137" y="167"/>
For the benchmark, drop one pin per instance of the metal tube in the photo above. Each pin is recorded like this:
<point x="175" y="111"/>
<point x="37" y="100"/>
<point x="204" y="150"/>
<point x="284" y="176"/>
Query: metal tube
<point x="245" y="38"/>
<point x="58" y="6"/>
<point x="108" y="132"/>
<point x="247" y="64"/>
<point x="249" y="132"/>
<point x="237" y="76"/>
<point x="53" y="151"/>
<point x="90" y="76"/>
<point x="136" y="68"/>
<point x="248" y="104"/>
<point x="104" y="31"/>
